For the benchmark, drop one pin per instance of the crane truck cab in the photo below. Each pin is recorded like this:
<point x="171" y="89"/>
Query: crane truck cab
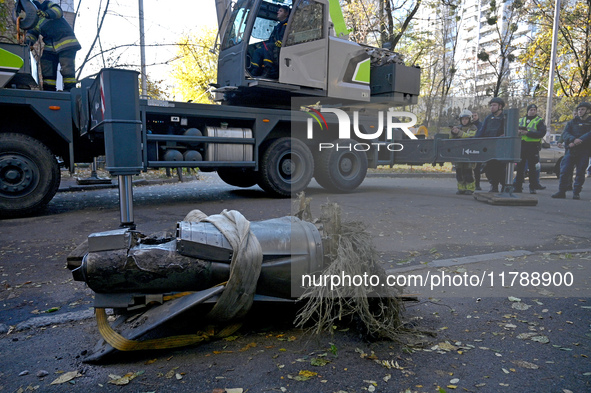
<point x="9" y="66"/>
<point x="316" y="57"/>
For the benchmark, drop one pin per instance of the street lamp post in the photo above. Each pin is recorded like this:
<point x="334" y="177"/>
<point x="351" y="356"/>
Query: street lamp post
<point x="552" y="66"/>
<point x="143" y="51"/>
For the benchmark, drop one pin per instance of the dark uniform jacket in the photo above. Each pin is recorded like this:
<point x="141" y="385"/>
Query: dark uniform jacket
<point x="492" y="126"/>
<point x="276" y="37"/>
<point x="578" y="128"/>
<point x="57" y="34"/>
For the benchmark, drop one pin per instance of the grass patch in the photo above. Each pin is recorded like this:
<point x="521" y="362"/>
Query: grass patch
<point x="425" y="168"/>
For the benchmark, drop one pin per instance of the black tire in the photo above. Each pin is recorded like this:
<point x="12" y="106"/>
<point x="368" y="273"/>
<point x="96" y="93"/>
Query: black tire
<point x="29" y="175"/>
<point x="238" y="177"/>
<point x="341" y="170"/>
<point x="557" y="167"/>
<point x="286" y="167"/>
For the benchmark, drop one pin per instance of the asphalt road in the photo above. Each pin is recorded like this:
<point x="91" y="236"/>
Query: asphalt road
<point x="500" y="336"/>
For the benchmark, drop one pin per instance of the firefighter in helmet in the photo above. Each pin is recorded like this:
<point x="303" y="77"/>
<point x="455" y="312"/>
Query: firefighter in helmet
<point x="60" y="48"/>
<point x="464" y="170"/>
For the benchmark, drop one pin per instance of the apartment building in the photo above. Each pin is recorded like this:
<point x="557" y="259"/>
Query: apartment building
<point x="470" y="30"/>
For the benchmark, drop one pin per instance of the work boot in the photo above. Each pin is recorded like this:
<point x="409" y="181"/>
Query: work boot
<point x="576" y="196"/>
<point x="539" y="187"/>
<point x="559" y="195"/>
<point x="517" y="188"/>
<point x="254" y="72"/>
<point x="532" y="191"/>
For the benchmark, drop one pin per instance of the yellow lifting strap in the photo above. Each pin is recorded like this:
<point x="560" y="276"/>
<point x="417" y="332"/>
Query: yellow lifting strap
<point x="119" y="342"/>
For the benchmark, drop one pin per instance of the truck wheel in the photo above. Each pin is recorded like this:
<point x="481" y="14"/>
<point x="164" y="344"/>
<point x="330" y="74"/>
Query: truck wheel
<point x="286" y="167"/>
<point x="238" y="177"/>
<point x="29" y="175"/>
<point x="341" y="170"/>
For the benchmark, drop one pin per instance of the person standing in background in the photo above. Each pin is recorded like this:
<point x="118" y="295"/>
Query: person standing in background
<point x="464" y="170"/>
<point x="531" y="129"/>
<point x="478" y="168"/>
<point x="494" y="126"/>
<point x="577" y="141"/>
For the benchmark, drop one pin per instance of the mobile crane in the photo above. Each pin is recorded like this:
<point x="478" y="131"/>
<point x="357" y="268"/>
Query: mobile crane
<point x="252" y="137"/>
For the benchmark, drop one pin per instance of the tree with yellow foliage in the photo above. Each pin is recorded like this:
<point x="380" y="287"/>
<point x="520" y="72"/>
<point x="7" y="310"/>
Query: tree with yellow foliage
<point x="573" y="68"/>
<point x="196" y="67"/>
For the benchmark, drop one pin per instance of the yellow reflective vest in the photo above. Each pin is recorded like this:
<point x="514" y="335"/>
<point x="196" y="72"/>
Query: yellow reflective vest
<point x="532" y="126"/>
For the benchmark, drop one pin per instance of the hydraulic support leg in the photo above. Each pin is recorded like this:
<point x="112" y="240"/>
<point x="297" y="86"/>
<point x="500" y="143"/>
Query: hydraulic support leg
<point x="511" y="126"/>
<point x="126" y="201"/>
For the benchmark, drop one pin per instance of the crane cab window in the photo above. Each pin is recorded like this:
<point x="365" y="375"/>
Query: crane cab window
<point x="266" y="21"/>
<point x="262" y="29"/>
<point x="236" y="29"/>
<point x="307" y="23"/>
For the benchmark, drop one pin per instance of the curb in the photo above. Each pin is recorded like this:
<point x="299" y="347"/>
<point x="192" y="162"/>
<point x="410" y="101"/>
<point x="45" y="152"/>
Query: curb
<point x="481" y="258"/>
<point x="136" y="183"/>
<point x="71" y="186"/>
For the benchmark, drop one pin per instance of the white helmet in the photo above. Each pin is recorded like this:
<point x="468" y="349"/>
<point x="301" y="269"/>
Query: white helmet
<point x="465" y="113"/>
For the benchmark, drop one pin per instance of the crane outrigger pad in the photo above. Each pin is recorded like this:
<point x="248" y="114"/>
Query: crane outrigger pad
<point x="505" y="199"/>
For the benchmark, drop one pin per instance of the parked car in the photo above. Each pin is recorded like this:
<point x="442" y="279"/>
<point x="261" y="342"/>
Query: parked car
<point x="550" y="158"/>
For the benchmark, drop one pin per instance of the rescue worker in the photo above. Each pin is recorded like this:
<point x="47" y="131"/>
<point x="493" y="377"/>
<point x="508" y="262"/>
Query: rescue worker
<point x="577" y="141"/>
<point x="478" y="168"/>
<point x="265" y="59"/>
<point x="476" y="120"/>
<point x="531" y="129"/>
<point x="494" y="126"/>
<point x="60" y="48"/>
<point x="464" y="170"/>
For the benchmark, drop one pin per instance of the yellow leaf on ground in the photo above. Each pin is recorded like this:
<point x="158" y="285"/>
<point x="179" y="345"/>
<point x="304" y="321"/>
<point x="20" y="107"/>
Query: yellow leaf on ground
<point x="445" y="346"/>
<point x="248" y="346"/>
<point x="66" y="377"/>
<point x="124" y="380"/>
<point x="171" y="373"/>
<point x="306" y="373"/>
